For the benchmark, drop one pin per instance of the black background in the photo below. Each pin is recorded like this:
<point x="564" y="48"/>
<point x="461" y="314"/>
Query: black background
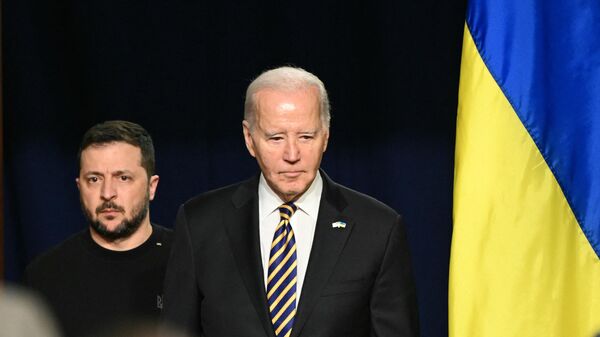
<point x="180" y="69"/>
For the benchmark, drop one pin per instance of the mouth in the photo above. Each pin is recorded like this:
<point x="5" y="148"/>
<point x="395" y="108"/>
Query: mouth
<point x="291" y="174"/>
<point x="109" y="209"/>
<point x="109" y="212"/>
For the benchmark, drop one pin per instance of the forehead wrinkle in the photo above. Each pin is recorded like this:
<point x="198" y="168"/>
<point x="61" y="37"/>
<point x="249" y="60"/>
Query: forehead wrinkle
<point x="281" y="109"/>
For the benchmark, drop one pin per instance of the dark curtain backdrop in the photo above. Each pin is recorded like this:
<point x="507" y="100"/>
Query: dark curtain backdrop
<point x="180" y="68"/>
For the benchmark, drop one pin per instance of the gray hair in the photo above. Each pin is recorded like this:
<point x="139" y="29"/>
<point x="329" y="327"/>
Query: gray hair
<point x="286" y="79"/>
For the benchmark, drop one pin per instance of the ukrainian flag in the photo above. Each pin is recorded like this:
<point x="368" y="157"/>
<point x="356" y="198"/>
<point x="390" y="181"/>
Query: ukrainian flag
<point x="526" y="242"/>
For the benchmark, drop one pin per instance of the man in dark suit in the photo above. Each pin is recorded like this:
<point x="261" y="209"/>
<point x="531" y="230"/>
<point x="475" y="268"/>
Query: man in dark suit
<point x="289" y="252"/>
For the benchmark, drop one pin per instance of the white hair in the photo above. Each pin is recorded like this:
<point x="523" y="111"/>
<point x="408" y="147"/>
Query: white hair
<point x="286" y="79"/>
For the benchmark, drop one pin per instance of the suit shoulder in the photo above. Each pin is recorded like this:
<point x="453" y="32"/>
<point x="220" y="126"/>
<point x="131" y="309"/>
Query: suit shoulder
<point x="215" y="200"/>
<point x="374" y="221"/>
<point x="366" y="202"/>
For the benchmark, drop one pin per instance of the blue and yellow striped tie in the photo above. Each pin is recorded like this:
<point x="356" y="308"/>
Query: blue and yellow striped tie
<point x="281" y="284"/>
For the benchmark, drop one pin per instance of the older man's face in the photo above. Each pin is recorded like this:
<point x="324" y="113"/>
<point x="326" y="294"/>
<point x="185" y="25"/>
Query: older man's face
<point x="288" y="139"/>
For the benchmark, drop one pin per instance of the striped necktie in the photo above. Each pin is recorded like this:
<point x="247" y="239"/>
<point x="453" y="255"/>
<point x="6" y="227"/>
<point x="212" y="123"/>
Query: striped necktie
<point x="281" y="283"/>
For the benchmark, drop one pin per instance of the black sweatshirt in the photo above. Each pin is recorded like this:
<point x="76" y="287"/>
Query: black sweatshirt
<point x="90" y="288"/>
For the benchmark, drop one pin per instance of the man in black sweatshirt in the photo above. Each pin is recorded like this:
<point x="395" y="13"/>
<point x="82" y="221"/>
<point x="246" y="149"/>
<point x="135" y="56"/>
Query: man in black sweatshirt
<point x="112" y="272"/>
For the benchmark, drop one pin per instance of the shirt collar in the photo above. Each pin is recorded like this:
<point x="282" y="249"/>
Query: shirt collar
<point x="308" y="203"/>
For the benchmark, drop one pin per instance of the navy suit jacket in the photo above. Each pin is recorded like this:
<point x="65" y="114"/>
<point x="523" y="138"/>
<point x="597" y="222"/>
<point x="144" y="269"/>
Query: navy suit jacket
<point x="358" y="281"/>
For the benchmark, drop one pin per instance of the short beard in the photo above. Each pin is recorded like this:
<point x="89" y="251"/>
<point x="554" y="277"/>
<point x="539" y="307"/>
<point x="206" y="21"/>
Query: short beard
<point x="126" y="228"/>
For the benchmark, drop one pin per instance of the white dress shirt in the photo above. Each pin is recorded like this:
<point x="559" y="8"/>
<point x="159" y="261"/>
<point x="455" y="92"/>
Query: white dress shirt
<point x="303" y="223"/>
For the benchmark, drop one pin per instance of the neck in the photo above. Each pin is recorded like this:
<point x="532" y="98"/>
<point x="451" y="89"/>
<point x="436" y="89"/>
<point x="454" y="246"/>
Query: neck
<point x="133" y="241"/>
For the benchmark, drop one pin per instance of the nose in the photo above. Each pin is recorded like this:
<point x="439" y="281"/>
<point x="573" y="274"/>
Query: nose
<point x="108" y="191"/>
<point x="291" y="154"/>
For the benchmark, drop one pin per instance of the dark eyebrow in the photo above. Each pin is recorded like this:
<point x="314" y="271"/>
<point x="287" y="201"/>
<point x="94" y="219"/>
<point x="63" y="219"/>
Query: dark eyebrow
<point x="95" y="173"/>
<point x="121" y="172"/>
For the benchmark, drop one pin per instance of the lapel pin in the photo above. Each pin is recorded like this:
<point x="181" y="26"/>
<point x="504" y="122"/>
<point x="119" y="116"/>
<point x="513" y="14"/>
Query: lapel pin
<point x="338" y="224"/>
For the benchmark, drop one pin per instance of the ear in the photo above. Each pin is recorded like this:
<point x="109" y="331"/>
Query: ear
<point x="326" y="140"/>
<point x="152" y="185"/>
<point x="78" y="183"/>
<point x="248" y="138"/>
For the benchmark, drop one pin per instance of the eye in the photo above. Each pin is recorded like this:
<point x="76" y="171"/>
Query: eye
<point x="124" y="178"/>
<point x="92" y="179"/>
<point x="307" y="137"/>
<point x="276" y="138"/>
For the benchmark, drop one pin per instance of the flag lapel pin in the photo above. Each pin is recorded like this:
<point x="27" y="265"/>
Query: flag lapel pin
<point x="338" y="224"/>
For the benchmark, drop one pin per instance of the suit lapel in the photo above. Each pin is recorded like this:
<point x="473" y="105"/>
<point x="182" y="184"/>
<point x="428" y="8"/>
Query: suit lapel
<point x="328" y="243"/>
<point x="242" y="229"/>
